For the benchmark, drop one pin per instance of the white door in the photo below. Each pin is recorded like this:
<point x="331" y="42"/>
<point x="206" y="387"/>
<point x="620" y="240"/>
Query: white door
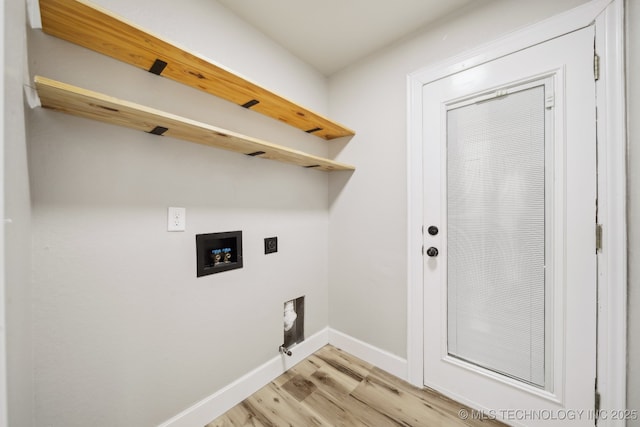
<point x="510" y="272"/>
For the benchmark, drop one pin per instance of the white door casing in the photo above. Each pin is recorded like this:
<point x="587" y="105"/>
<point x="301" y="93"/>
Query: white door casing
<point x="570" y="204"/>
<point x="608" y="16"/>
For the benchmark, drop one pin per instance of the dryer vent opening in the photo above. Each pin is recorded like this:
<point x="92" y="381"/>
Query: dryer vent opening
<point x="293" y="317"/>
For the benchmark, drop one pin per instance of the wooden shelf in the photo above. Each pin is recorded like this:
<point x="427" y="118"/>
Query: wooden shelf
<point x="84" y="103"/>
<point x="87" y="25"/>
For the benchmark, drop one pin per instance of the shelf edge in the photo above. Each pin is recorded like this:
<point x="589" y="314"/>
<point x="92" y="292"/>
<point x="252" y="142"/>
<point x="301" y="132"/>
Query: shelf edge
<point x="117" y="37"/>
<point x="81" y="102"/>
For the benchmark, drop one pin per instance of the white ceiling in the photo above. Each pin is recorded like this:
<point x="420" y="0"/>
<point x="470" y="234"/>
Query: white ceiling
<point x="331" y="34"/>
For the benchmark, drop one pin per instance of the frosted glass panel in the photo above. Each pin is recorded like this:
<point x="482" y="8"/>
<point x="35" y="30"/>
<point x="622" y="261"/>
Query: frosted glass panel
<point x="496" y="234"/>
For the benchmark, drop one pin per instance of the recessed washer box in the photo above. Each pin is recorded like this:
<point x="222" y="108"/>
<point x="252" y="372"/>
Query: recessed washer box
<point x="218" y="252"/>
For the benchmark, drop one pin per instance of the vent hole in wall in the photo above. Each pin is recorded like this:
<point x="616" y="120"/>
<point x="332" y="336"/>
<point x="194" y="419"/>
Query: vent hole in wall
<point x="293" y="322"/>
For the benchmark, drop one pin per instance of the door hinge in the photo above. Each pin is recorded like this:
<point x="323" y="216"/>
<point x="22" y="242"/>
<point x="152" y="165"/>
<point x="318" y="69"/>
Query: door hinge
<point x="422" y="249"/>
<point x="549" y="102"/>
<point x="596" y="402"/>
<point x="596" y="67"/>
<point x="598" y="237"/>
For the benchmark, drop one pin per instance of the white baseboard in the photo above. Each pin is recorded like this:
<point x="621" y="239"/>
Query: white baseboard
<point x="226" y="398"/>
<point x="382" y="359"/>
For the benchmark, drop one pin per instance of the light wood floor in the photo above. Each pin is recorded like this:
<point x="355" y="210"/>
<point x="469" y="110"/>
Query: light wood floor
<point x="333" y="388"/>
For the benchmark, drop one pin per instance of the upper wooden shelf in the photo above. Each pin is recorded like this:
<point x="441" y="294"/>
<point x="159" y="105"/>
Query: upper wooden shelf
<point x="93" y="105"/>
<point x="90" y="26"/>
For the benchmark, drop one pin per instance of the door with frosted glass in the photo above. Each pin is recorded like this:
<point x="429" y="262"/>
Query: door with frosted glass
<point x="509" y="269"/>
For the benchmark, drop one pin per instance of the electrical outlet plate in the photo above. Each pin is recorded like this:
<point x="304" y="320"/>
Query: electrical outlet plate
<point x="176" y="219"/>
<point x="270" y="245"/>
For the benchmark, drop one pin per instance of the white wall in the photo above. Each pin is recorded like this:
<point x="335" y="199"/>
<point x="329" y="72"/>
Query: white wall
<point x="633" y="101"/>
<point x="3" y="322"/>
<point x="17" y="239"/>
<point x="124" y="333"/>
<point x="368" y="217"/>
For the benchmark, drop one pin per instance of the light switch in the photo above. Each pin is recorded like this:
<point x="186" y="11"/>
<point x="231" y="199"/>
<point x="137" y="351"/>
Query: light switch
<point x="176" y="219"/>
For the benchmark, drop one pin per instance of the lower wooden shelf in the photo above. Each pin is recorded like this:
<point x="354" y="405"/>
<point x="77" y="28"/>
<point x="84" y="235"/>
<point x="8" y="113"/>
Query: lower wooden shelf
<point x="93" y="105"/>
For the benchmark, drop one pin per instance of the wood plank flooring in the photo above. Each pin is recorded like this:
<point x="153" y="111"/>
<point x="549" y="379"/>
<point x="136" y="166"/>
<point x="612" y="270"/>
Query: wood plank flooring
<point x="333" y="388"/>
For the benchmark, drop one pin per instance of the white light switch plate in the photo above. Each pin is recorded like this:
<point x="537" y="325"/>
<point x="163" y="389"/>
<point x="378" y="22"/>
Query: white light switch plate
<point x="176" y="219"/>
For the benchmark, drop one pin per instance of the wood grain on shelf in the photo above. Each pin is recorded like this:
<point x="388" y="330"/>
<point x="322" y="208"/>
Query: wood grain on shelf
<point x="99" y="30"/>
<point x="85" y="103"/>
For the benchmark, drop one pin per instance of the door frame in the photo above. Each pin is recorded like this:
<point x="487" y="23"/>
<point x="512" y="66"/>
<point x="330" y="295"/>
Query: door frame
<point x="608" y="16"/>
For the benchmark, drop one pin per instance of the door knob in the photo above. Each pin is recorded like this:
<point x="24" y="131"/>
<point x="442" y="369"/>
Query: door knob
<point x="432" y="252"/>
